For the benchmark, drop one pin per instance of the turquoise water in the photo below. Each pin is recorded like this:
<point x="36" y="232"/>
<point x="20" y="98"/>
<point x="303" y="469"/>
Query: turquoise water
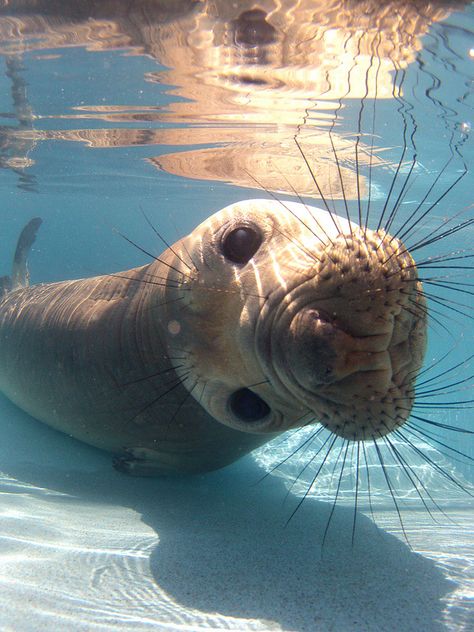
<point x="166" y="108"/>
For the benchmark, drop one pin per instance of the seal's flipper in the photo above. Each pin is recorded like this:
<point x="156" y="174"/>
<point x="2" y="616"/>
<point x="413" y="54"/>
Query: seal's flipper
<point x="140" y="462"/>
<point x="20" y="275"/>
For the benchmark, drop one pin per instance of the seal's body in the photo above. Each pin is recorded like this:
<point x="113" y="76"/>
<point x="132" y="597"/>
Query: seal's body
<point x="268" y="316"/>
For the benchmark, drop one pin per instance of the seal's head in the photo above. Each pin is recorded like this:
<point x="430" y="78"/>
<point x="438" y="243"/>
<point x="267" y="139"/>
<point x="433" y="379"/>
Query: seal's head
<point x="280" y="315"/>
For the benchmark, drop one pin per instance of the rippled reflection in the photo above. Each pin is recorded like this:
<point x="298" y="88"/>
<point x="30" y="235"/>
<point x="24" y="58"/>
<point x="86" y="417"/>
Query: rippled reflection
<point x="247" y="78"/>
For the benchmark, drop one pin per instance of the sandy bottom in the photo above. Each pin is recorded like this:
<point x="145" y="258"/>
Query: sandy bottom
<point x="85" y="548"/>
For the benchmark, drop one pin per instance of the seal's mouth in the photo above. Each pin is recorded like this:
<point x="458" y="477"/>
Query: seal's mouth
<point x="321" y="353"/>
<point x="359" y="387"/>
<point x="349" y="343"/>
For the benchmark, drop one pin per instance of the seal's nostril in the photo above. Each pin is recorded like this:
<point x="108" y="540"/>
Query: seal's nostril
<point x="309" y="347"/>
<point x="248" y="406"/>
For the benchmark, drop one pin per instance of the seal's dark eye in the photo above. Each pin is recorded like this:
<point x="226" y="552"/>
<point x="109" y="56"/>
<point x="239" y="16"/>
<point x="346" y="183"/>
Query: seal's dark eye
<point x="240" y="245"/>
<point x="248" y="406"/>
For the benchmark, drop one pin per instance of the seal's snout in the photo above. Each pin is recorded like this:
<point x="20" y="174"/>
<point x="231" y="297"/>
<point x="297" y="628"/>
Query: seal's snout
<point x="356" y="335"/>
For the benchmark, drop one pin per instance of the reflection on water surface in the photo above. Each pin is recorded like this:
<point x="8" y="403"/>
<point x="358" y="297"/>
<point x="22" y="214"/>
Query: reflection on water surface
<point x="244" y="78"/>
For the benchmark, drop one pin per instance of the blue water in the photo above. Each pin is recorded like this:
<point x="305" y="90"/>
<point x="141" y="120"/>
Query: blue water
<point x="106" y="117"/>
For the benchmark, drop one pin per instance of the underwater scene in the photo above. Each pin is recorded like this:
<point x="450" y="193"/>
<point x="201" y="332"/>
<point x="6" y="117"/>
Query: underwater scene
<point x="236" y="315"/>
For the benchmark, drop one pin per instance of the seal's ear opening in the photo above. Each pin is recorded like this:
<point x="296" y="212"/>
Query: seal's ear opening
<point x="248" y="406"/>
<point x="240" y="244"/>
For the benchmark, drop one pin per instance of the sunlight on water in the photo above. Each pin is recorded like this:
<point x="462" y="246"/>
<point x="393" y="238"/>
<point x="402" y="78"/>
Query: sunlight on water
<point x="299" y="473"/>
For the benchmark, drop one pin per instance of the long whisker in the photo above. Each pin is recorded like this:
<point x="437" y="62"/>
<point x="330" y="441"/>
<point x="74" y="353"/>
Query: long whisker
<point x="316" y="183"/>
<point x="391" y="490"/>
<point x="392" y="215"/>
<point x="163" y="240"/>
<point x="430" y="461"/>
<point x="359" y="134"/>
<point x="401" y="233"/>
<point x="404" y="150"/>
<point x="411" y="475"/>
<point x="341" y="473"/>
<point x="444" y="426"/>
<point x="155" y="258"/>
<point x="168" y="284"/>
<point x="304" y="444"/>
<point x="414" y="428"/>
<point x="371" y="156"/>
<point x="188" y="394"/>
<point x="432" y="237"/>
<point x="309" y="210"/>
<point x="310" y="486"/>
<point x="287" y="208"/>
<point x="454" y="287"/>
<point x="341" y="180"/>
<point x="175" y="383"/>
<point x="152" y="375"/>
<point x="356" y="494"/>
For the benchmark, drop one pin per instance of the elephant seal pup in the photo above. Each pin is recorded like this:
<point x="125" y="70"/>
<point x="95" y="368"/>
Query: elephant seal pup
<point x="268" y="316"/>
